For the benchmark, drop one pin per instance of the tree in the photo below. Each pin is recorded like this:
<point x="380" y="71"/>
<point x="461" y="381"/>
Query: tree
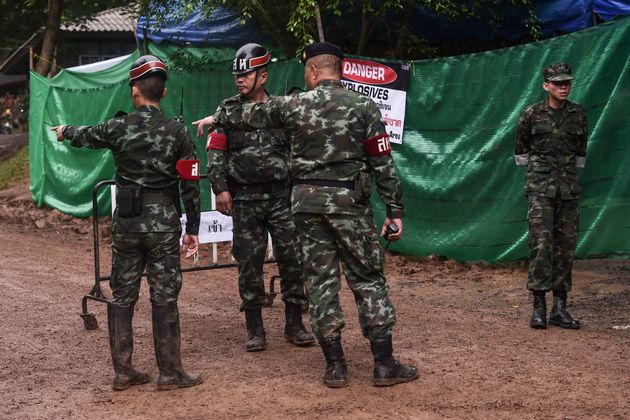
<point x="50" y="37"/>
<point x="365" y="27"/>
<point x="19" y="20"/>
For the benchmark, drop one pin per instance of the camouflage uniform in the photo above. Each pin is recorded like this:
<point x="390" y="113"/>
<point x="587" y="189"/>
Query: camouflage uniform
<point x="332" y="177"/>
<point x="146" y="146"/>
<point x="255" y="170"/>
<point x="552" y="147"/>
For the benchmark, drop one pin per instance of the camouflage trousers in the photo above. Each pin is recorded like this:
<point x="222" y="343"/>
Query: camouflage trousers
<point x="553" y="230"/>
<point x="253" y="222"/>
<point x="159" y="253"/>
<point x="325" y="240"/>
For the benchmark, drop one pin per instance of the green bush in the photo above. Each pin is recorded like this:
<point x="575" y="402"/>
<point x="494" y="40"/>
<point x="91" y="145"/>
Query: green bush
<point x="14" y="169"/>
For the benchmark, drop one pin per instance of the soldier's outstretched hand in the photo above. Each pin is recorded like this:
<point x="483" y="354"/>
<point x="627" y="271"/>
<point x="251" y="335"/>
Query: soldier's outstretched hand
<point x="392" y="236"/>
<point x="202" y="124"/>
<point x="59" y="131"/>
<point x="190" y="245"/>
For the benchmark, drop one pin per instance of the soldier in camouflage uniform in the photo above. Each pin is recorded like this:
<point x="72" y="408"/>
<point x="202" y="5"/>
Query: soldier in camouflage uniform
<point x="249" y="174"/>
<point x="150" y="151"/>
<point x="551" y="141"/>
<point x="338" y="144"/>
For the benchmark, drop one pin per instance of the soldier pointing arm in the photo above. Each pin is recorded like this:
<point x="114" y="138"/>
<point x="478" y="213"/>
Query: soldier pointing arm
<point x="338" y="144"/>
<point x="155" y="157"/>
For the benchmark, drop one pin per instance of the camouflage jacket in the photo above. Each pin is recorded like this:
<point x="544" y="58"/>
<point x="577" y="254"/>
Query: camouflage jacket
<point x="327" y="127"/>
<point x="252" y="157"/>
<point x="551" y="151"/>
<point x="146" y="146"/>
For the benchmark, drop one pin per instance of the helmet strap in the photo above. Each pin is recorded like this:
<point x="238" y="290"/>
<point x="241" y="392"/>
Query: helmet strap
<point x="254" y="85"/>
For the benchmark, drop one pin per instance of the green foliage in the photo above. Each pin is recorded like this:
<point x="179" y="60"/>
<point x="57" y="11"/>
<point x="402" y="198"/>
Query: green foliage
<point x="21" y="19"/>
<point x="14" y="169"/>
<point x="366" y="27"/>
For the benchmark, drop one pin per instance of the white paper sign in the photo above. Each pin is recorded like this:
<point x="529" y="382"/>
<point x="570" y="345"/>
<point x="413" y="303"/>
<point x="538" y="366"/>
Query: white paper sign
<point x="214" y="227"/>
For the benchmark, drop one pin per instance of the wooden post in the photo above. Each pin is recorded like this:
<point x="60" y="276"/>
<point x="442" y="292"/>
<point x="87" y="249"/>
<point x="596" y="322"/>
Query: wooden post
<point x="320" y="28"/>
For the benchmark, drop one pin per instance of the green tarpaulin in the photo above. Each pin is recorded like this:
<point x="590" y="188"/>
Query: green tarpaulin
<point x="463" y="192"/>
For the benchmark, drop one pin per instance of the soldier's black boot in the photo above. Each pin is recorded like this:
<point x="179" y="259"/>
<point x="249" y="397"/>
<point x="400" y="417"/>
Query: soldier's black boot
<point x="256" y="340"/>
<point x="294" y="330"/>
<point x="387" y="370"/>
<point x="166" y="337"/>
<point x="539" y="315"/>
<point x="336" y="368"/>
<point x="119" y="321"/>
<point x="559" y="315"/>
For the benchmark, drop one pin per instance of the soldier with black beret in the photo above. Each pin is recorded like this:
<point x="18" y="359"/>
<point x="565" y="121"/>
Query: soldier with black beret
<point x="339" y="144"/>
<point x="551" y="141"/>
<point x="155" y="166"/>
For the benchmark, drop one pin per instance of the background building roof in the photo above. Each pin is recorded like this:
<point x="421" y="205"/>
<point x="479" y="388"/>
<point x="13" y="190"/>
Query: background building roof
<point x="119" y="19"/>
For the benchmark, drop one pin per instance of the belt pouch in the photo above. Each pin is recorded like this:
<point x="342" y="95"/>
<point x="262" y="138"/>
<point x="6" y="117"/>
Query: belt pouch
<point x="362" y="187"/>
<point x="129" y="201"/>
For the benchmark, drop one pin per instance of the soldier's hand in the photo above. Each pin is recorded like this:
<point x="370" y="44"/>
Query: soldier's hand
<point x="392" y="236"/>
<point x="190" y="245"/>
<point x="223" y="201"/>
<point x="59" y="130"/>
<point x="202" y="124"/>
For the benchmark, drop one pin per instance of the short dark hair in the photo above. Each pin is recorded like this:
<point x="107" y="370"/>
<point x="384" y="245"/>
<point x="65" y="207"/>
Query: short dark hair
<point x="327" y="60"/>
<point x="151" y="87"/>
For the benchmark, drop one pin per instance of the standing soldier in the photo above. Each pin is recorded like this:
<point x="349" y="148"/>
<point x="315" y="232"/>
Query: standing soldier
<point x="249" y="174"/>
<point x="551" y="140"/>
<point x="338" y="144"/>
<point x="150" y="151"/>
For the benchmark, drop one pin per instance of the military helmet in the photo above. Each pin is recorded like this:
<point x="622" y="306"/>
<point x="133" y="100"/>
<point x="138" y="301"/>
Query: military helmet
<point x="250" y="57"/>
<point x="147" y="66"/>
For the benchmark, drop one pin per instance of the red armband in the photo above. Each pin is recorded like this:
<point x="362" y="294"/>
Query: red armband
<point x="217" y="141"/>
<point x="188" y="169"/>
<point x="377" y="146"/>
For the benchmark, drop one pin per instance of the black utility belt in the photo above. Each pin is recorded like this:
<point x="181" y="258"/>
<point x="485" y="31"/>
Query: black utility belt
<point x="325" y="183"/>
<point x="237" y="188"/>
<point x="131" y="198"/>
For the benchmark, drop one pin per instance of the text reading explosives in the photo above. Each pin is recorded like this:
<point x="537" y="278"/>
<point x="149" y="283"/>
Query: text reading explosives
<point x="363" y="71"/>
<point x="371" y="91"/>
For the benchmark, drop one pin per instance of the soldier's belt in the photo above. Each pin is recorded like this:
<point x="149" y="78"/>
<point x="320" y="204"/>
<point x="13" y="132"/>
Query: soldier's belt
<point x="237" y="188"/>
<point x="158" y="197"/>
<point x="325" y="183"/>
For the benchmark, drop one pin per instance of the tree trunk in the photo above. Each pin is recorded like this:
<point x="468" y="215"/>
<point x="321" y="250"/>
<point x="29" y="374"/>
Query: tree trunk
<point x="320" y="27"/>
<point x="50" y="37"/>
<point x="363" y="35"/>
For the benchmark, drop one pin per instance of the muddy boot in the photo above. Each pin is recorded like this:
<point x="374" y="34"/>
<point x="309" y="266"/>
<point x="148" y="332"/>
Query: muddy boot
<point x="255" y="331"/>
<point x="336" y="368"/>
<point x="539" y="315"/>
<point x="167" y="341"/>
<point x="119" y="320"/>
<point x="294" y="330"/>
<point x="387" y="370"/>
<point x="559" y="315"/>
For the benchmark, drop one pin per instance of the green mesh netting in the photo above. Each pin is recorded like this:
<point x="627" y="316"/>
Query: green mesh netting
<point x="463" y="192"/>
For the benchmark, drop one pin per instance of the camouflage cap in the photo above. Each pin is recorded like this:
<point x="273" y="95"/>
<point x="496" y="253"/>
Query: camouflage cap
<point x="320" y="48"/>
<point x="557" y="72"/>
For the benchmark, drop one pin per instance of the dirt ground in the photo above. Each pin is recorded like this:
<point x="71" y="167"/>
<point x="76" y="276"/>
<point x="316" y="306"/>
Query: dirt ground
<point x="464" y="325"/>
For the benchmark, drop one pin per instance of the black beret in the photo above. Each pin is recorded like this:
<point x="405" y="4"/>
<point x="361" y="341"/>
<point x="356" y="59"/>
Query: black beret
<point x="320" y="48"/>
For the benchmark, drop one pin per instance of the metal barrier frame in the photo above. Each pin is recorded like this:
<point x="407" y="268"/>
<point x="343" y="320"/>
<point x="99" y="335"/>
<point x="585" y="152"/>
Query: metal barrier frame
<point x="89" y="320"/>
